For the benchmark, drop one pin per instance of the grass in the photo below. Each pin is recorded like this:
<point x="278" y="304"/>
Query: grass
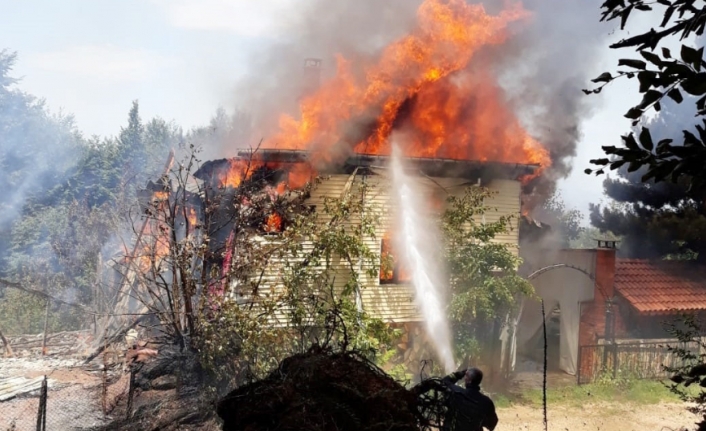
<point x="632" y="391"/>
<point x="502" y="401"/>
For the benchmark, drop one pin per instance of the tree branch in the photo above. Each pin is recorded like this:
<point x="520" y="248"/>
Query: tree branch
<point x="44" y="295"/>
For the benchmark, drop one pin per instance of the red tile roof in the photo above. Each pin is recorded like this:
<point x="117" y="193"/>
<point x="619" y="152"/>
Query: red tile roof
<point x="661" y="287"/>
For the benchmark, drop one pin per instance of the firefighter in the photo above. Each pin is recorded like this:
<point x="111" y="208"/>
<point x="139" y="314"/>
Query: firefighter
<point x="468" y="408"/>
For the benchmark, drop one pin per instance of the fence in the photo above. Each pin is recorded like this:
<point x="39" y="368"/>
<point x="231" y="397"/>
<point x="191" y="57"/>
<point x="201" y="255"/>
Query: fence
<point x="65" y="396"/>
<point x="641" y="360"/>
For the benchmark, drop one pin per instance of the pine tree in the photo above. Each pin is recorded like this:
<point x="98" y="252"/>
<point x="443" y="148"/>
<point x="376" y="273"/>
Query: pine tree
<point x="655" y="221"/>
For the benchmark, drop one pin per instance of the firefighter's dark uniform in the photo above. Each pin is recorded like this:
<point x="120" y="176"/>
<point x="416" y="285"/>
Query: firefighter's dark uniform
<point x="468" y="408"/>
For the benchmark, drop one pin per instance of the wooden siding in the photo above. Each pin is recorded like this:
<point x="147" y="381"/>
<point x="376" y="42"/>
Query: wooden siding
<point x="395" y="302"/>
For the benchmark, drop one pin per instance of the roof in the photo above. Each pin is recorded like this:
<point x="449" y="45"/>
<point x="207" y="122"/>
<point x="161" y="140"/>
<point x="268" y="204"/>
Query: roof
<point x="435" y="167"/>
<point x="661" y="287"/>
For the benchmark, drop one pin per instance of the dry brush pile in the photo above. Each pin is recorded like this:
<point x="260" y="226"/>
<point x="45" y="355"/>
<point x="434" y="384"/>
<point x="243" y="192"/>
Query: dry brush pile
<point x="323" y="390"/>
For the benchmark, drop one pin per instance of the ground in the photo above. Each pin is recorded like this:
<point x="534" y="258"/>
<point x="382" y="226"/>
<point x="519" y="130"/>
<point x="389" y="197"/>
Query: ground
<point x="625" y="405"/>
<point x="600" y="416"/>
<point x="75" y="395"/>
<point x="75" y="400"/>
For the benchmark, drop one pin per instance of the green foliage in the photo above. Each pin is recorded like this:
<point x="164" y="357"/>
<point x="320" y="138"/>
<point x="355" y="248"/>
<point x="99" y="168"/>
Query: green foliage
<point x="661" y="74"/>
<point x="23" y="313"/>
<point x="464" y="343"/>
<point x="55" y="251"/>
<point x="622" y="380"/>
<point x="587" y="238"/>
<point x="64" y="198"/>
<point x="566" y="221"/>
<point x="689" y="376"/>
<point x="483" y="279"/>
<point x="35" y="148"/>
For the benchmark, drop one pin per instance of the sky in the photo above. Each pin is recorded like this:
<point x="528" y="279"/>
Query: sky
<point x="182" y="58"/>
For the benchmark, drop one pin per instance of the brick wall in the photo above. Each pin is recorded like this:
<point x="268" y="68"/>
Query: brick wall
<point x="593" y="313"/>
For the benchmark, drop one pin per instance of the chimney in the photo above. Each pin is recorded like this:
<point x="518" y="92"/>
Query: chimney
<point x="607" y="244"/>
<point x="312" y="76"/>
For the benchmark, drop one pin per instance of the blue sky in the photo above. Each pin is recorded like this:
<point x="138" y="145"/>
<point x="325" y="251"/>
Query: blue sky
<point x="182" y="58"/>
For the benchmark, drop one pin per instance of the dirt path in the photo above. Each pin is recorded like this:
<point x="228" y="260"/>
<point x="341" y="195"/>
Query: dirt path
<point x="594" y="417"/>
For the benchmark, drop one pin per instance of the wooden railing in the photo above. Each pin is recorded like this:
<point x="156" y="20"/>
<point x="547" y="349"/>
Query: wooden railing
<point x="629" y="359"/>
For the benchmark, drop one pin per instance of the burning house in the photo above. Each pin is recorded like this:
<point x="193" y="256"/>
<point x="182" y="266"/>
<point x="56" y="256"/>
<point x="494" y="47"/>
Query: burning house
<point x="445" y="113"/>
<point x="389" y="295"/>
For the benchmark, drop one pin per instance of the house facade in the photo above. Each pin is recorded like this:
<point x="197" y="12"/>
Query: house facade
<point x="390" y="295"/>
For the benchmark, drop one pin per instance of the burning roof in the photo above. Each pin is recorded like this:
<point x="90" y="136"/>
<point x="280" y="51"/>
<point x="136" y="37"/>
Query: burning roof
<point x="294" y="167"/>
<point x="423" y="92"/>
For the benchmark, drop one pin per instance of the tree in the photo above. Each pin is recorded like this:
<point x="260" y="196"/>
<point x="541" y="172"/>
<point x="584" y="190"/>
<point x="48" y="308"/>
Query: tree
<point x="63" y="201"/>
<point x="588" y="236"/>
<point x="662" y="75"/>
<point x="142" y="148"/>
<point x="248" y="275"/>
<point x="690" y="365"/>
<point x="483" y="279"/>
<point x="35" y="148"/>
<point x="654" y="220"/>
<point x="565" y="222"/>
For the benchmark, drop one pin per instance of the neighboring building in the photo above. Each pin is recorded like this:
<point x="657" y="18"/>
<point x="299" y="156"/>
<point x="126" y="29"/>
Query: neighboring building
<point x="598" y="299"/>
<point x="650" y="292"/>
<point x="567" y="292"/>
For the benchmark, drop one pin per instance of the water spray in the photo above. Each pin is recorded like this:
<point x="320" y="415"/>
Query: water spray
<point x="418" y="241"/>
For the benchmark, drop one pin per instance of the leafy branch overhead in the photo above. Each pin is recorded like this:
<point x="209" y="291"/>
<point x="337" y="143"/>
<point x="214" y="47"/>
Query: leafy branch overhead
<point x="661" y="74"/>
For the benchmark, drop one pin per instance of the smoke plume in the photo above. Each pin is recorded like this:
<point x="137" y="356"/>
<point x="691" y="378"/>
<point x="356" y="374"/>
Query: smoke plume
<point x="542" y="67"/>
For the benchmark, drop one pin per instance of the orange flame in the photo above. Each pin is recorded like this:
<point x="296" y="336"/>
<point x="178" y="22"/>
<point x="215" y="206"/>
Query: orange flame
<point x="238" y="170"/>
<point x="154" y="248"/>
<point x="298" y="174"/>
<point x="425" y="86"/>
<point x="397" y="272"/>
<point x="274" y="223"/>
<point x="191" y="217"/>
<point x="160" y="196"/>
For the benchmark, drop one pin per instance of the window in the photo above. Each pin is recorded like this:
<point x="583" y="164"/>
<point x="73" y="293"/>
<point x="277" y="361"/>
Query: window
<point x="392" y="271"/>
<point x="274" y="224"/>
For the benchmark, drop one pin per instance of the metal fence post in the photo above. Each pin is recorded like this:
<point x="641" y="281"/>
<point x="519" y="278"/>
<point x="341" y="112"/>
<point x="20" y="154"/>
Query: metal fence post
<point x="104" y="388"/>
<point x="615" y="360"/>
<point x="579" y="366"/>
<point x="131" y="391"/>
<point x="42" y="411"/>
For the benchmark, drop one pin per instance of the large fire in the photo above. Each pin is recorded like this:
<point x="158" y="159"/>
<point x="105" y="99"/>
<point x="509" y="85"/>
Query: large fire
<point x="423" y="86"/>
